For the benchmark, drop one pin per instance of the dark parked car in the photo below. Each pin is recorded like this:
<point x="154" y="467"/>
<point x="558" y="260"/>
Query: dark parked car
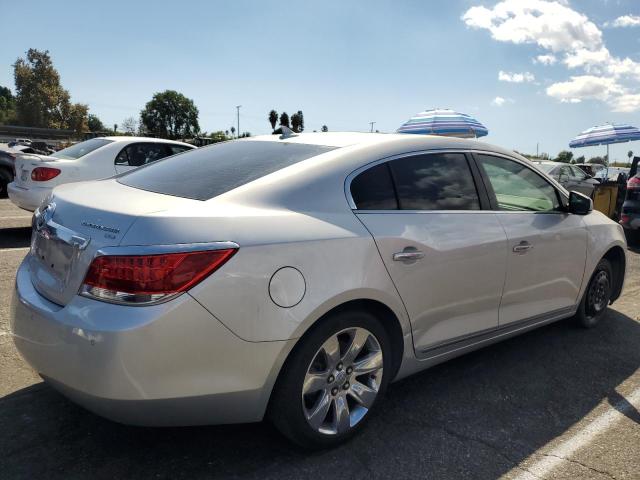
<point x="630" y="217"/>
<point x="570" y="177"/>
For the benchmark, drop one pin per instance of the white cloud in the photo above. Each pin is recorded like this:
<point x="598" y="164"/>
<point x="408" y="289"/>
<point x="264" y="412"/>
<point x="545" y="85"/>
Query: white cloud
<point x="563" y="32"/>
<point x="515" y="77"/>
<point x="545" y="59"/>
<point x="624" y="21"/>
<point x="585" y="87"/>
<point x="500" y="101"/>
<point x="550" y="25"/>
<point x="629" y="102"/>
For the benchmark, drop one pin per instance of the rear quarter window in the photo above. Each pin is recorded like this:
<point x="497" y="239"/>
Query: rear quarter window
<point x="207" y="172"/>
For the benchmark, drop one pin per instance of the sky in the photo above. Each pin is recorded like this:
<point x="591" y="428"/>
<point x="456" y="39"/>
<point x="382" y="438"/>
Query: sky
<point x="535" y="72"/>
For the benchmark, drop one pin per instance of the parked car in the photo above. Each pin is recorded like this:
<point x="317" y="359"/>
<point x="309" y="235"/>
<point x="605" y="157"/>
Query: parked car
<point x="19" y="141"/>
<point x="595" y="170"/>
<point x="294" y="277"/>
<point x="7" y="165"/>
<point x="37" y="175"/>
<point x="570" y="177"/>
<point x="630" y="216"/>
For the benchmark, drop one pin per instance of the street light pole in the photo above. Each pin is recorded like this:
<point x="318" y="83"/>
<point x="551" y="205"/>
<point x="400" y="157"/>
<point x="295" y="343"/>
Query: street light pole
<point x="372" y="124"/>
<point x="238" y="111"/>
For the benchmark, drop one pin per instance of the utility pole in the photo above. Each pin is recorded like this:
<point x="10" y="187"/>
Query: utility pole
<point x="238" y="111"/>
<point x="372" y="124"/>
<point x="537" y="149"/>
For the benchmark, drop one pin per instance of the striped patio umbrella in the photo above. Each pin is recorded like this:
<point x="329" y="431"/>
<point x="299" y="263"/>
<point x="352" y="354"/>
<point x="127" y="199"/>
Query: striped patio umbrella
<point x="606" y="135"/>
<point x="444" y="122"/>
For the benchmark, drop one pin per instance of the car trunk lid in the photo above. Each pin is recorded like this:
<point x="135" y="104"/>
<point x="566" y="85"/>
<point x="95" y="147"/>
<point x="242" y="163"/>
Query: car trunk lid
<point x="79" y="220"/>
<point x="25" y="163"/>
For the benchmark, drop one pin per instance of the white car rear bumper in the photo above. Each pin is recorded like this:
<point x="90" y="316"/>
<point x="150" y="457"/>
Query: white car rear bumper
<point x="27" y="198"/>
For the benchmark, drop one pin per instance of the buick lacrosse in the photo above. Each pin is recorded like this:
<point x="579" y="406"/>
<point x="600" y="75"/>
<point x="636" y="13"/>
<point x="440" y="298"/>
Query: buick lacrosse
<point x="294" y="277"/>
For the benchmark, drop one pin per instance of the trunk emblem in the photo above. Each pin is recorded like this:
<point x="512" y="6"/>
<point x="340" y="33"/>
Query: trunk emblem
<point x="100" y="227"/>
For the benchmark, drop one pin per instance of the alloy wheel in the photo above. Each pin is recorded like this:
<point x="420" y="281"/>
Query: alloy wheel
<point x="342" y="381"/>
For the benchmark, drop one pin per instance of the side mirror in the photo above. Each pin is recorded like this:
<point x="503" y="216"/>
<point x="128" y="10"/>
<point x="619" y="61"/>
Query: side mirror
<point x="579" y="204"/>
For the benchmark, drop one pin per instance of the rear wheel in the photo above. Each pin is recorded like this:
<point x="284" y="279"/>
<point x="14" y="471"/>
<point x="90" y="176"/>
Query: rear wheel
<point x="332" y="381"/>
<point x="597" y="295"/>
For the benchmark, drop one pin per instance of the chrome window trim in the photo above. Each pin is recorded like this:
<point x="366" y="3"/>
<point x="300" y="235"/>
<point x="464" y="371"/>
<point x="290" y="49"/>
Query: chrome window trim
<point x="161" y="249"/>
<point x="359" y="170"/>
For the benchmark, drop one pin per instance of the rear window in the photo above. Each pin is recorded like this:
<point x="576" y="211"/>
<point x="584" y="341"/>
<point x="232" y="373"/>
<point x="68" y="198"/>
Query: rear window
<point x="81" y="149"/>
<point x="210" y="171"/>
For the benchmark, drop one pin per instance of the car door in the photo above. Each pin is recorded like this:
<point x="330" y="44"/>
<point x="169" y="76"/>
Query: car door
<point x="442" y="245"/>
<point x="136" y="155"/>
<point x="547" y="247"/>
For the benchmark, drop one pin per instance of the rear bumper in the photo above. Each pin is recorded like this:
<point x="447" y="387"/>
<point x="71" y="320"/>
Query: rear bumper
<point x="168" y="364"/>
<point x="27" y="198"/>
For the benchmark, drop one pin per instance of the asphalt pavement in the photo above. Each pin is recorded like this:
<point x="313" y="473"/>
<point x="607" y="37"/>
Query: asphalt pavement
<point x="558" y="402"/>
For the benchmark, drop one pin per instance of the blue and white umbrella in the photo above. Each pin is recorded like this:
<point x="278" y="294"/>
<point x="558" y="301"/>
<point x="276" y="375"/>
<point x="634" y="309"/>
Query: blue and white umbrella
<point x="444" y="122"/>
<point x="606" y="135"/>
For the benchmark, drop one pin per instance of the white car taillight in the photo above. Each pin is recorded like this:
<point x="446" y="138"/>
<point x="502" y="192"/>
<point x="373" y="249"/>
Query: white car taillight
<point x="145" y="279"/>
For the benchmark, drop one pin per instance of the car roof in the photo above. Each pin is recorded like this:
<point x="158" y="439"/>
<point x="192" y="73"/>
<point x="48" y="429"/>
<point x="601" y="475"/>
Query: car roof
<point x="363" y="139"/>
<point x="123" y="138"/>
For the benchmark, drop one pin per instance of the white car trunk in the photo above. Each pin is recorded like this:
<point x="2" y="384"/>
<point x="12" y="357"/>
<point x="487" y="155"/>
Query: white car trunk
<point x="25" y="164"/>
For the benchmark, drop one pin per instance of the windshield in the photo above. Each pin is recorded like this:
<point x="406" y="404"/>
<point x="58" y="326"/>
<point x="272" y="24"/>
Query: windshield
<point x="81" y="149"/>
<point x="546" y="167"/>
<point x="207" y="172"/>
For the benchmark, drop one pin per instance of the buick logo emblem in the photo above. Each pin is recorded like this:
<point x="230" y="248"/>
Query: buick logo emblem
<point x="43" y="215"/>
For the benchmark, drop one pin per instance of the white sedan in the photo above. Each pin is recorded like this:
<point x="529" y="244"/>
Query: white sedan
<point x="94" y="159"/>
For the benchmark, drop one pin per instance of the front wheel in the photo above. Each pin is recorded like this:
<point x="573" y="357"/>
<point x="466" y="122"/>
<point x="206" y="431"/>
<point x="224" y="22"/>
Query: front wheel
<point x="597" y="296"/>
<point x="332" y="381"/>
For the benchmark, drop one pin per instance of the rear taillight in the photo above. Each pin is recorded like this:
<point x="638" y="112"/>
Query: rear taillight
<point x="144" y="279"/>
<point x="42" y="174"/>
<point x="634" y="183"/>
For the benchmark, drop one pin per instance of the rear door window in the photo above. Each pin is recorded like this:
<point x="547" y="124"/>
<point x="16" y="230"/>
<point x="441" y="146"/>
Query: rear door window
<point x="138" y="154"/>
<point x="210" y="171"/>
<point x="439" y="181"/>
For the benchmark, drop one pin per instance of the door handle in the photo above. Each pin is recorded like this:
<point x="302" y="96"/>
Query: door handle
<point x="409" y="254"/>
<point x="522" y="247"/>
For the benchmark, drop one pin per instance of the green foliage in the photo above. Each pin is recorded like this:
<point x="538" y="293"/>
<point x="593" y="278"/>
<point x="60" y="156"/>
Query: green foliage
<point x="599" y="160"/>
<point x="564" y="156"/>
<point x="580" y="159"/>
<point x="273" y="119"/>
<point x="284" y="120"/>
<point x="7" y="106"/>
<point x="95" y="124"/>
<point x="219" y="136"/>
<point x="297" y="121"/>
<point x="40" y="99"/>
<point x="170" y="114"/>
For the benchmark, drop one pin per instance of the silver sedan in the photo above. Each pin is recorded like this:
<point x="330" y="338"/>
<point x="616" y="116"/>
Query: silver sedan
<point x="294" y="277"/>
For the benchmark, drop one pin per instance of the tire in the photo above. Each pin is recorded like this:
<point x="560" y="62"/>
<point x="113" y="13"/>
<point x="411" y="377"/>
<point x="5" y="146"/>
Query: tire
<point x="596" y="297"/>
<point x="318" y="385"/>
<point x="5" y="179"/>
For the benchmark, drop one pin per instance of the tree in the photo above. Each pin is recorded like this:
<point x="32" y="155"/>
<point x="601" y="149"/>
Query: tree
<point x="219" y="136"/>
<point x="40" y="99"/>
<point x="170" y="114"/>
<point x="564" y="156"/>
<point x="630" y="155"/>
<point x="7" y="106"/>
<point x="233" y="131"/>
<point x="324" y="128"/>
<point x="129" y="125"/>
<point x="284" y="120"/>
<point x="273" y="119"/>
<point x="95" y="124"/>
<point x="580" y="159"/>
<point x="297" y="121"/>
<point x="600" y="160"/>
